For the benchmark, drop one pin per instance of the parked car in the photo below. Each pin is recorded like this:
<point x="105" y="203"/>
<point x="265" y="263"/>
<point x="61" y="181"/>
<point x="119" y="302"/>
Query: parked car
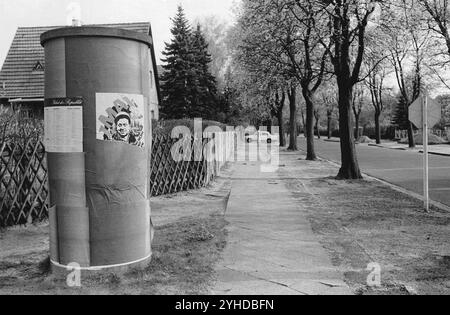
<point x="262" y="136"/>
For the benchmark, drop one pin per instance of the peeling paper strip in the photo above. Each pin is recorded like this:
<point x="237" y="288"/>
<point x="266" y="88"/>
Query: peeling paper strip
<point x="69" y="216"/>
<point x="67" y="179"/>
<point x="54" y="252"/>
<point x="73" y="235"/>
<point x="120" y="233"/>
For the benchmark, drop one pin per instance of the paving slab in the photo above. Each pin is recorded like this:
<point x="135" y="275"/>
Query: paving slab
<point x="272" y="249"/>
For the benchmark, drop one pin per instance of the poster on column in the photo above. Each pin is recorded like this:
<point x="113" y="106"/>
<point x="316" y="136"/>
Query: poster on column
<point x="121" y="118"/>
<point x="63" y="125"/>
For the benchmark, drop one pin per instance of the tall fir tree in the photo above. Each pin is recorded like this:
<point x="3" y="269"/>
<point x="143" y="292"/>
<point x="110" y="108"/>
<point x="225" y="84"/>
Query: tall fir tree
<point x="206" y="101"/>
<point x="400" y="117"/>
<point x="179" y="78"/>
<point x="187" y="86"/>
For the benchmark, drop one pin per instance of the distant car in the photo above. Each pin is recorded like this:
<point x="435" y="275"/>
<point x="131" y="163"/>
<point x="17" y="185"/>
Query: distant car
<point x="262" y="136"/>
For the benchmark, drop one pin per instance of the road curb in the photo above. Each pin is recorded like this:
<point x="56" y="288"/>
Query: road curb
<point x="406" y="149"/>
<point x="331" y="140"/>
<point x="414" y="195"/>
<point x="384" y="147"/>
<point x="436" y="153"/>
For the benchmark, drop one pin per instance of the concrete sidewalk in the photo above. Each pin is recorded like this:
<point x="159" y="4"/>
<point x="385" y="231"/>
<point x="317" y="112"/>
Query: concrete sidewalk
<point x="272" y="249"/>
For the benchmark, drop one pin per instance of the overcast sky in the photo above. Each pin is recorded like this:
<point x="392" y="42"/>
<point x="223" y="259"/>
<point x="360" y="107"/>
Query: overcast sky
<point x="15" y="13"/>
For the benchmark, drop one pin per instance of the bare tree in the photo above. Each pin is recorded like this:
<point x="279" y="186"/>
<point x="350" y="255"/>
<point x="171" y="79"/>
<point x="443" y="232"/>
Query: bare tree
<point x="286" y="33"/>
<point x="375" y="83"/>
<point x="407" y="43"/>
<point x="277" y="110"/>
<point x="376" y="68"/>
<point x="439" y="11"/>
<point x="265" y="73"/>
<point x="437" y="17"/>
<point x="349" y="20"/>
<point x="302" y="114"/>
<point x="330" y="112"/>
<point x="259" y="49"/>
<point x="293" y="109"/>
<point x="309" y="59"/>
<point x="328" y="96"/>
<point x="358" y="102"/>
<point x="317" y="116"/>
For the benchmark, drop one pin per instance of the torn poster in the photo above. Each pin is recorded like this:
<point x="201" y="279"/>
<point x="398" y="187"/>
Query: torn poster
<point x="121" y="118"/>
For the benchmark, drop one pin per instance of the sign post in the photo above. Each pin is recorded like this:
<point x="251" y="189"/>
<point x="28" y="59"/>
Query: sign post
<point x="425" y="113"/>
<point x="425" y="154"/>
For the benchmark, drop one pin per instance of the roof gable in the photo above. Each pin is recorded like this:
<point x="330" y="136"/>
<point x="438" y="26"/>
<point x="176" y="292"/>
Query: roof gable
<point x="22" y="72"/>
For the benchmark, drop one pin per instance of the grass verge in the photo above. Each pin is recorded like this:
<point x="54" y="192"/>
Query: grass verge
<point x="366" y="222"/>
<point x="184" y="256"/>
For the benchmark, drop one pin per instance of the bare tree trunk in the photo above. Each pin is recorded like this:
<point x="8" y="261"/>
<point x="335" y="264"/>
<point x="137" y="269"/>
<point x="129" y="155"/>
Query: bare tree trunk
<point x="346" y="78"/>
<point x="293" y="119"/>
<point x="303" y="121"/>
<point x="310" y="154"/>
<point x="269" y="125"/>
<point x="329" y="121"/>
<point x="317" y="128"/>
<point x="357" y="127"/>
<point x="350" y="167"/>
<point x="281" y="126"/>
<point x="412" y="143"/>
<point x="377" y="127"/>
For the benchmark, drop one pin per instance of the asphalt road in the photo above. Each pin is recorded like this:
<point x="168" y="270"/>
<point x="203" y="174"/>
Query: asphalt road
<point x="402" y="168"/>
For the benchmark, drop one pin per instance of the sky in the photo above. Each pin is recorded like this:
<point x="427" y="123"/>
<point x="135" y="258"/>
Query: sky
<point x="15" y="13"/>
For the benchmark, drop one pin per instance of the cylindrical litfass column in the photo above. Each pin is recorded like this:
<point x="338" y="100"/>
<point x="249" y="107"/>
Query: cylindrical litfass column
<point x="98" y="142"/>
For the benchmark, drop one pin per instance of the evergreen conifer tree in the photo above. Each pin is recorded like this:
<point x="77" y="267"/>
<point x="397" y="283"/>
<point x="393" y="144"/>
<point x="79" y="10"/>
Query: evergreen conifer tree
<point x="188" y="88"/>
<point x="179" y="78"/>
<point x="400" y="117"/>
<point x="206" y="94"/>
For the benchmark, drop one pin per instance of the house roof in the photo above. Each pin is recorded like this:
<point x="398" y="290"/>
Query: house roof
<point x="22" y="74"/>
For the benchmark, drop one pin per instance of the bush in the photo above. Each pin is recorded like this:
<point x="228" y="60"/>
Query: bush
<point x="418" y="139"/>
<point x="17" y="129"/>
<point x="365" y="139"/>
<point x="336" y="134"/>
<point x="323" y="132"/>
<point x="165" y="127"/>
<point x="387" y="132"/>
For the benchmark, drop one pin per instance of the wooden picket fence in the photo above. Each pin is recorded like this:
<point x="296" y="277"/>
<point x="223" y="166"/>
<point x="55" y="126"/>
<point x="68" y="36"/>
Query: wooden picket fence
<point x="196" y="166"/>
<point x="169" y="176"/>
<point x="24" y="188"/>
<point x="23" y="183"/>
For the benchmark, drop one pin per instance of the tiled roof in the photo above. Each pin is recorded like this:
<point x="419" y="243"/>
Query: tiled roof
<point x="17" y="75"/>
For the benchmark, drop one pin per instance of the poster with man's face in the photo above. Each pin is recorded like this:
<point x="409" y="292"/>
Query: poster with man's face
<point x="121" y="118"/>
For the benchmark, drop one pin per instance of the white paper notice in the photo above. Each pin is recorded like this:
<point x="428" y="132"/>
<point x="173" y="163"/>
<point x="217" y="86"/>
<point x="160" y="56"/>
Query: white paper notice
<point x="63" y="128"/>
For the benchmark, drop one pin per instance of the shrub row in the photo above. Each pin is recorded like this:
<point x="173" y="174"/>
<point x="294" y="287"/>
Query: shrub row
<point x="387" y="132"/>
<point x="14" y="128"/>
<point x="165" y="127"/>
